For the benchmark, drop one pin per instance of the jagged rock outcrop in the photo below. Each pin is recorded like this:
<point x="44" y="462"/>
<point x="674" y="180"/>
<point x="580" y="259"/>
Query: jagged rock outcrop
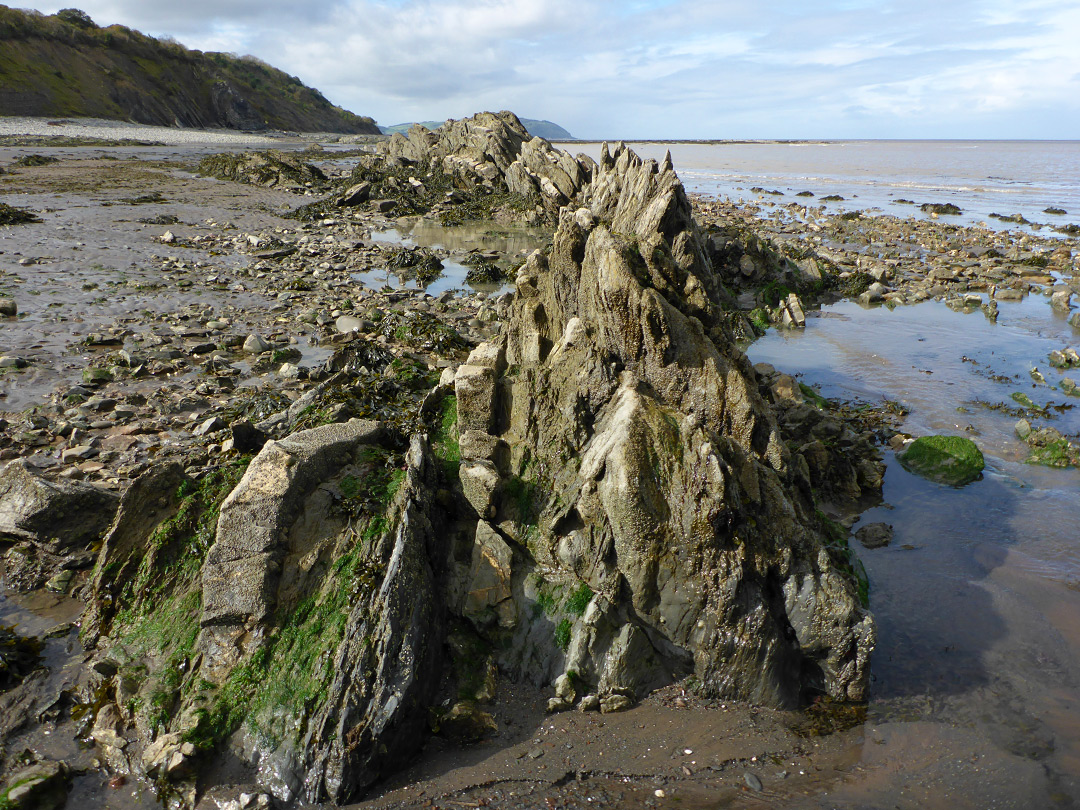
<point x="495" y="149"/>
<point x="308" y="634"/>
<point x="59" y="515"/>
<point x="632" y="481"/>
<point x="273" y="169"/>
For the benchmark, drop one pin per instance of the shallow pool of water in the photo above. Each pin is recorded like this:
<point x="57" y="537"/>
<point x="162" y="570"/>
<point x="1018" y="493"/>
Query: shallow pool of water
<point x="977" y="598"/>
<point x="514" y="242"/>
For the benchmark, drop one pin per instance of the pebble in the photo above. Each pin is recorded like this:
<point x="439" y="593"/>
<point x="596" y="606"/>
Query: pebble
<point x="254" y="344"/>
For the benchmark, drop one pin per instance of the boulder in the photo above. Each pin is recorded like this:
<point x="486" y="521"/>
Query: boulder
<point x="355" y="194"/>
<point x="41" y="786"/>
<point x="61" y="516"/>
<point x="875" y="535"/>
<point x="1061" y="300"/>
<point x="467" y="723"/>
<point x="952" y="460"/>
<point x="254" y="344"/>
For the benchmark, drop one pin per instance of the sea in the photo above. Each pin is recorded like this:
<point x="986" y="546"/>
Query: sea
<point x="979" y="177"/>
<point x="976" y="674"/>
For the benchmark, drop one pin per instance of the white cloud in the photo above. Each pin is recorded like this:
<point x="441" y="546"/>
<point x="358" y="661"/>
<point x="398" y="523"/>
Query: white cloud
<point x="675" y="68"/>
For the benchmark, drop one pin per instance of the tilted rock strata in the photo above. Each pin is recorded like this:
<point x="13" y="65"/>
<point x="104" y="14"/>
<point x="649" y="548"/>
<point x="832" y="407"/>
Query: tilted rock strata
<point x="388" y="667"/>
<point x="495" y="149"/>
<point x="319" y="630"/>
<point x="664" y="484"/>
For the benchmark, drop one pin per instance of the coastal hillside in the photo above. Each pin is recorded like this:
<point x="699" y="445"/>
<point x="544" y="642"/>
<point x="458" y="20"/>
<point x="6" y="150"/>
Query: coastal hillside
<point x="538" y="129"/>
<point x="67" y="65"/>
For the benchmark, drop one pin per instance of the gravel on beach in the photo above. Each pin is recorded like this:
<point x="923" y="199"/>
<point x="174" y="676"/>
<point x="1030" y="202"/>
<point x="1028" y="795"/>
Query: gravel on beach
<point x="102" y="129"/>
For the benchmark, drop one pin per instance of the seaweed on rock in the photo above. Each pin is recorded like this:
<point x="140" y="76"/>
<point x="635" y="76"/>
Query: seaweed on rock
<point x="307" y="620"/>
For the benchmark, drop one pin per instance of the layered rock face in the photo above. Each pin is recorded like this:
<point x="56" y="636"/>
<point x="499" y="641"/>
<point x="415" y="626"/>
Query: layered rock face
<point x="616" y="449"/>
<point x="309" y="635"/>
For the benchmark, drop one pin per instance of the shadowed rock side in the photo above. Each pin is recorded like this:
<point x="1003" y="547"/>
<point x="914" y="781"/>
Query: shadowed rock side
<point x="617" y="450"/>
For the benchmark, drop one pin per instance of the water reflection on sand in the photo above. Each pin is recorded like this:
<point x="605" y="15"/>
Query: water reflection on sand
<point x="976" y="697"/>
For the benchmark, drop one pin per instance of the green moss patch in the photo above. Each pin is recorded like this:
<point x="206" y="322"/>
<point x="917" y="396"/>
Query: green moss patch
<point x="286" y="681"/>
<point x="562" y="634"/>
<point x="579" y="600"/>
<point x="843" y="557"/>
<point x="814" y="398"/>
<point x="445" y="438"/>
<point x="284" y="684"/>
<point x="952" y="460"/>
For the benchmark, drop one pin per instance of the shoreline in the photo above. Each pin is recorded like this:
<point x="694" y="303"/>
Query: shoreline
<point x="105" y="274"/>
<point x="113" y="130"/>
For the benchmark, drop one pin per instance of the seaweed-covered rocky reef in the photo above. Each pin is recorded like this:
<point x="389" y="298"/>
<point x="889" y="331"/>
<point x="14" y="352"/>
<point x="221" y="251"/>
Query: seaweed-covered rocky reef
<point x="602" y="498"/>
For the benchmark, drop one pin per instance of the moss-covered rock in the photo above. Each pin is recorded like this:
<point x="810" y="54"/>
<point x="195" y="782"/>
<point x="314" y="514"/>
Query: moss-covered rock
<point x="10" y="215"/>
<point x="41" y="786"/>
<point x="952" y="460"/>
<point x="271" y="168"/>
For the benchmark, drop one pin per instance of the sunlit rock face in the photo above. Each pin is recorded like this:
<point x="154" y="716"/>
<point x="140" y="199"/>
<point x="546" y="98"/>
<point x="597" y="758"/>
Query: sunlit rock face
<point x="642" y="519"/>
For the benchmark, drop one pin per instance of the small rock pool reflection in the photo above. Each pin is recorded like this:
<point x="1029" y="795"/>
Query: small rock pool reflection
<point x="509" y="240"/>
<point x="977" y="598"/>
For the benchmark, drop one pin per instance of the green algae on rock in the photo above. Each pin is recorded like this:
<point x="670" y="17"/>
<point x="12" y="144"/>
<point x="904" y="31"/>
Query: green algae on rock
<point x="952" y="460"/>
<point x="10" y="215"/>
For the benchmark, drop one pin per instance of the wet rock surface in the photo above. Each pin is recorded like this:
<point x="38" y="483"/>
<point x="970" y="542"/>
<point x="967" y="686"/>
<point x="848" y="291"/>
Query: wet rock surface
<point x="952" y="460"/>
<point x="668" y="439"/>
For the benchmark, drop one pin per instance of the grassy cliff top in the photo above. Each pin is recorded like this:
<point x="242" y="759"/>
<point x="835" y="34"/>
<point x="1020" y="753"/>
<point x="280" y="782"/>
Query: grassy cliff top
<point x="65" y="64"/>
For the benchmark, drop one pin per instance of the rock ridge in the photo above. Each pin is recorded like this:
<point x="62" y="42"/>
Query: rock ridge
<point x="661" y="482"/>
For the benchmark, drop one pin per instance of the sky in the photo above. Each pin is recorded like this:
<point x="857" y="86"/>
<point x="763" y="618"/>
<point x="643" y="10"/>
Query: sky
<point x="663" y="68"/>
